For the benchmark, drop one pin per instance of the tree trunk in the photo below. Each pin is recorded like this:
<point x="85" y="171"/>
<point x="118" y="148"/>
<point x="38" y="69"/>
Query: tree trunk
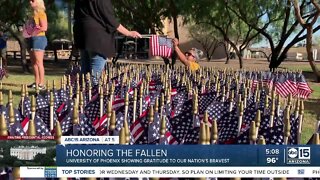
<point x="227" y="53"/>
<point x="273" y="59"/>
<point x="175" y="29"/>
<point x="175" y="19"/>
<point x="69" y="22"/>
<point x="240" y="58"/>
<point x="176" y="35"/>
<point x="309" y="52"/>
<point x="55" y="52"/>
<point x="208" y="56"/>
<point x="23" y="50"/>
<point x="238" y="53"/>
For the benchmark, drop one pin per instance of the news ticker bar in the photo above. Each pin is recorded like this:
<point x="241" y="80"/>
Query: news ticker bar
<point x="187" y="155"/>
<point x="191" y="172"/>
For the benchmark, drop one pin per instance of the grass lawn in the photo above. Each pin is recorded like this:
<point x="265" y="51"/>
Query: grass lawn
<point x="54" y="71"/>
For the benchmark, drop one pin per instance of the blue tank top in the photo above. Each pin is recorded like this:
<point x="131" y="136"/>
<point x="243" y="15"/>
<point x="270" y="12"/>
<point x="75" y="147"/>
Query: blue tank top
<point x="3" y="41"/>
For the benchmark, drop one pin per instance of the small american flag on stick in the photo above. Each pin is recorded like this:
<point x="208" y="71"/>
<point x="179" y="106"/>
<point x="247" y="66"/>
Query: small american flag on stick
<point x="160" y="46"/>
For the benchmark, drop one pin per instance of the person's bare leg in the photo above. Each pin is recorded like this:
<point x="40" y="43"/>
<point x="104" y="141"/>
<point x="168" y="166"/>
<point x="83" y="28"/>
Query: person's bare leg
<point x="4" y="63"/>
<point x="39" y="63"/>
<point x="34" y="66"/>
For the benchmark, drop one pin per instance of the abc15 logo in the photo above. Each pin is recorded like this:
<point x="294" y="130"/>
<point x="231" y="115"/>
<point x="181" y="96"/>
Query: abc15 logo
<point x="298" y="153"/>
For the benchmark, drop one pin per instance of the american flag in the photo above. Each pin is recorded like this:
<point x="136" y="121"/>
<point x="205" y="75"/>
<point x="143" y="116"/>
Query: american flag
<point x="25" y="107"/>
<point x="160" y="46"/>
<point x="273" y="135"/>
<point x="218" y="110"/>
<point x="192" y="136"/>
<point x="25" y="124"/>
<point x="2" y="73"/>
<point x="204" y="102"/>
<point x="282" y="85"/>
<point x="255" y="81"/>
<point x="92" y="110"/>
<point x="117" y="103"/>
<point x="41" y="127"/>
<point x="17" y="114"/>
<point x="168" y="139"/>
<point x="138" y="128"/>
<point x="57" y="100"/>
<point x="119" y="123"/>
<point x="86" y="128"/>
<point x="41" y="102"/>
<point x="228" y="127"/>
<point x="178" y="104"/>
<point x="182" y="123"/>
<point x="293" y="80"/>
<point x="294" y="123"/>
<point x="66" y="125"/>
<point x="154" y="129"/>
<point x="16" y="129"/>
<point x="100" y="125"/>
<point x="44" y="114"/>
<point x="304" y="90"/>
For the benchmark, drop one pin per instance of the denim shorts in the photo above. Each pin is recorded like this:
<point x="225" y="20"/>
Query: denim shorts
<point x="37" y="43"/>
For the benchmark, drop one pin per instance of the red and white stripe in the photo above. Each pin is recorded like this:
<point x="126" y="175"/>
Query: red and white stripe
<point x="136" y="129"/>
<point x="25" y="124"/>
<point x="171" y="140"/>
<point x="157" y="49"/>
<point x="117" y="103"/>
<point x="304" y="90"/>
<point x="152" y="87"/>
<point x="99" y="125"/>
<point x="282" y="88"/>
<point x="174" y="92"/>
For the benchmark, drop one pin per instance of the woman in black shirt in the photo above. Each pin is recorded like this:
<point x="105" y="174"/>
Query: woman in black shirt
<point x="95" y="26"/>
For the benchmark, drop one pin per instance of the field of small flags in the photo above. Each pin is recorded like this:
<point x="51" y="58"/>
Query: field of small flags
<point x="151" y="104"/>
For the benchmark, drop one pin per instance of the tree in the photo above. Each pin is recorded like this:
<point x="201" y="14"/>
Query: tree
<point x="309" y="26"/>
<point x="206" y="12"/>
<point x="207" y="38"/>
<point x="70" y="8"/>
<point x="43" y="160"/>
<point x="274" y="20"/>
<point x="141" y="15"/>
<point x="11" y="20"/>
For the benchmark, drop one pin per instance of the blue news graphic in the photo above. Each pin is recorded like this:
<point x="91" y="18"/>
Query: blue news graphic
<point x="50" y="172"/>
<point x="188" y="155"/>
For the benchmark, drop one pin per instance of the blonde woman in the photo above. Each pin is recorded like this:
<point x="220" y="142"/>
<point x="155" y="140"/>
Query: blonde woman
<point x="34" y="32"/>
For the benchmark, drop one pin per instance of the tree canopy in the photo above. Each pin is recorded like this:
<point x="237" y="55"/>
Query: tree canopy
<point x="238" y="23"/>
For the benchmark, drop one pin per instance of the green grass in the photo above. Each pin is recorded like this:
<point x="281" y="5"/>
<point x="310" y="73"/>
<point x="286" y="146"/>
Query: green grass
<point x="303" y="68"/>
<point x="316" y="90"/>
<point x="15" y="81"/>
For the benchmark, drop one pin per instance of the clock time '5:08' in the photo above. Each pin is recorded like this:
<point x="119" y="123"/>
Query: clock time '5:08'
<point x="272" y="151"/>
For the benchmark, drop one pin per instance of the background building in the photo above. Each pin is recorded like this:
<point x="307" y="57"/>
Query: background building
<point x="27" y="153"/>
